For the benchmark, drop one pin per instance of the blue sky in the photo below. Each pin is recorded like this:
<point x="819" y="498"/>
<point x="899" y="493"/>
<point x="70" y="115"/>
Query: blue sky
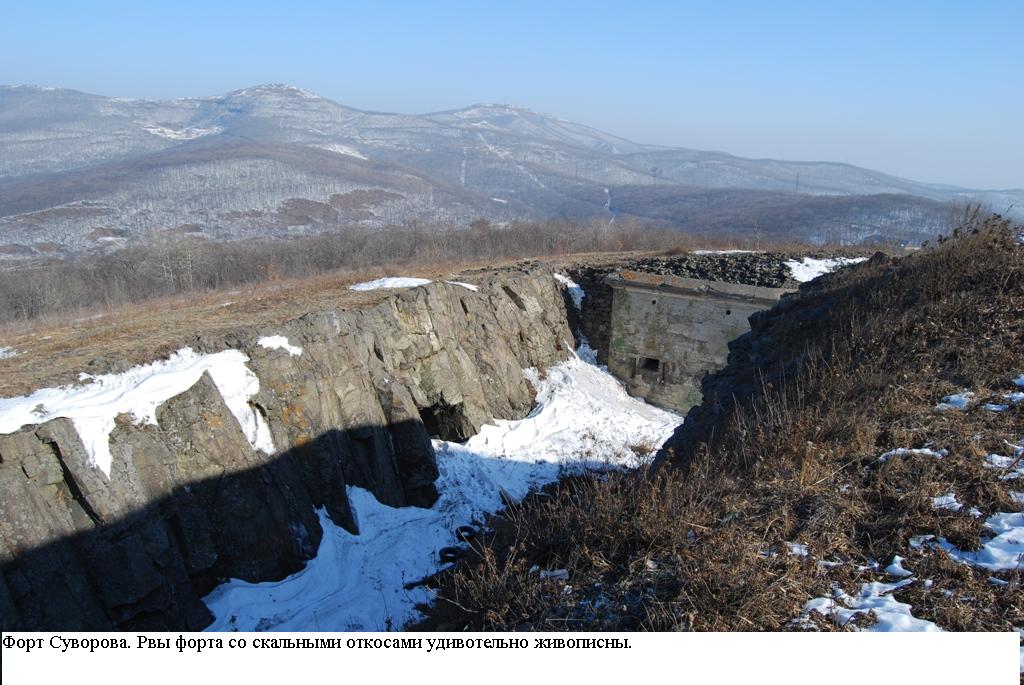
<point x="928" y="90"/>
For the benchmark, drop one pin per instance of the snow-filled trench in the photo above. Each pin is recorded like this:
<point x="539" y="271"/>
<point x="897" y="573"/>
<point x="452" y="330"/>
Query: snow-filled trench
<point x="583" y="420"/>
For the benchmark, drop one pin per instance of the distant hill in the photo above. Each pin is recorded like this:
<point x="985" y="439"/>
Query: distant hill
<point x="84" y="173"/>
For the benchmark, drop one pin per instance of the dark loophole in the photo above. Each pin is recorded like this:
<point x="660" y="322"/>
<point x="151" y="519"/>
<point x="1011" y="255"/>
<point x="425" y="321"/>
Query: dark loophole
<point x="650" y="364"/>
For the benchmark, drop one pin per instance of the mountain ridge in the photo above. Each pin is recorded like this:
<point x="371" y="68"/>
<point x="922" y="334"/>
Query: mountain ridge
<point x="493" y="161"/>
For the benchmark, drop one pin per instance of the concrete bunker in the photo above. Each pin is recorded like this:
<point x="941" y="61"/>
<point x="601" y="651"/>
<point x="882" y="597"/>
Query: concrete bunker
<point x="668" y="332"/>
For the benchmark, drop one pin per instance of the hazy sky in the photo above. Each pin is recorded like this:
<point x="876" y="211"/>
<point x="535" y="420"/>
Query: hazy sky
<point x="928" y="90"/>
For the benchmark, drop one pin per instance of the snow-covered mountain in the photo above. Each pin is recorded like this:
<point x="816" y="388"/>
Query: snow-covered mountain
<point x="85" y="172"/>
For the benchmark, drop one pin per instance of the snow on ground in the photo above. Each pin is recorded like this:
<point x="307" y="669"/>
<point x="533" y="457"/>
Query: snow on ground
<point x="890" y="615"/>
<point x="947" y="501"/>
<point x="808" y="268"/>
<point x="797" y="549"/>
<point x="576" y="294"/>
<point x="575" y="291"/>
<point x="7" y="353"/>
<point x="180" y="133"/>
<point x="583" y="420"/>
<point x="467" y="286"/>
<point x="343" y="150"/>
<point x="903" y="451"/>
<point x="93" y="406"/>
<point x="959" y="401"/>
<point x="393" y="282"/>
<point x="896" y="568"/>
<point x="1014" y="466"/>
<point x="279" y="342"/>
<point x="1003" y="552"/>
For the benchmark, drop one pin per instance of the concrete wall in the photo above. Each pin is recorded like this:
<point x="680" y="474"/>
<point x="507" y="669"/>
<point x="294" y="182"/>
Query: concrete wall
<point x="668" y="332"/>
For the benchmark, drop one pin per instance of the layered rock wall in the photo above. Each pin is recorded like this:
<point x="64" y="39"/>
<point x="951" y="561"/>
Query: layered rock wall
<point x="188" y="502"/>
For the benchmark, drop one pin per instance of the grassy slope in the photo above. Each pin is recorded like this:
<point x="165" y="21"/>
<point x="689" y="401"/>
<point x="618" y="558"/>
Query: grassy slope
<point x="857" y="365"/>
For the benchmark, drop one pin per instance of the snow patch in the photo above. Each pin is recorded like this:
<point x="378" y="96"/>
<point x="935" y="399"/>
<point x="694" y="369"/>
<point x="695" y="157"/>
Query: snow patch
<point x="808" y="268"/>
<point x="1014" y="465"/>
<point x="180" y="133"/>
<point x="896" y="568"/>
<point x="394" y="282"/>
<point x="797" y="549"/>
<point x="93" y="406"/>
<point x="7" y="353"/>
<point x="890" y="615"/>
<point x="947" y="501"/>
<point x="467" y="286"/>
<point x="958" y="401"/>
<point x="903" y="451"/>
<point x="343" y="150"/>
<point x="556" y="574"/>
<point x="279" y="342"/>
<point x="1003" y="552"/>
<point x="575" y="291"/>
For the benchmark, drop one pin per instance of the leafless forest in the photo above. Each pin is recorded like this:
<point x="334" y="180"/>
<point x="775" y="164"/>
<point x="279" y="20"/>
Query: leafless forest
<point x="184" y="265"/>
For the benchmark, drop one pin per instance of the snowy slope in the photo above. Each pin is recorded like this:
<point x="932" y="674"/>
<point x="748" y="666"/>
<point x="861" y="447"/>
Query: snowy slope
<point x="94" y="404"/>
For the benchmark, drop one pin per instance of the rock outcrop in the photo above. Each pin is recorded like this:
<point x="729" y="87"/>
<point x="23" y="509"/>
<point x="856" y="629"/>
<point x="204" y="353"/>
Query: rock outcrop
<point x="189" y="502"/>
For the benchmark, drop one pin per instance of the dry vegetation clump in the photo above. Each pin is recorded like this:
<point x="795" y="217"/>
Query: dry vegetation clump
<point x="858" y="364"/>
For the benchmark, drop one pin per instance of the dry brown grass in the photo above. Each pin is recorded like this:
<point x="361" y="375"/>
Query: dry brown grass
<point x="55" y="349"/>
<point x="860" y="362"/>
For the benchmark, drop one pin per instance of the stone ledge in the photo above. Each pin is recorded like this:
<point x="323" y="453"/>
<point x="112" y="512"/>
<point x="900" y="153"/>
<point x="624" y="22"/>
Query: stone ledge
<point x="691" y="286"/>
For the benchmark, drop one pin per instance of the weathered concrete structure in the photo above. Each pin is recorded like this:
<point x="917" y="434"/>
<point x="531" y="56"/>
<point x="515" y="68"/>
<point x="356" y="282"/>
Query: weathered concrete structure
<point x="668" y="332"/>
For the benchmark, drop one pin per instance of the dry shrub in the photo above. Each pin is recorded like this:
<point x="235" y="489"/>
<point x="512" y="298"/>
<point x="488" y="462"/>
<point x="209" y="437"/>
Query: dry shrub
<point x="856" y="366"/>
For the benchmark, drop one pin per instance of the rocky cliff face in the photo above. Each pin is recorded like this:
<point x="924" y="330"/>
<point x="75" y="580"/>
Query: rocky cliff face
<point x="189" y="501"/>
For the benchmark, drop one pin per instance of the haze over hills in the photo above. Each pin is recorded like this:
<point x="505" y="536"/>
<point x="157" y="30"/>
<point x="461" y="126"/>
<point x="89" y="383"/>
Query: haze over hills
<point x="82" y="172"/>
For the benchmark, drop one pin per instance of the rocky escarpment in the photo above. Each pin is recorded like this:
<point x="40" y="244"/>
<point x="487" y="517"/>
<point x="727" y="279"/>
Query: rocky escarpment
<point x="189" y="502"/>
